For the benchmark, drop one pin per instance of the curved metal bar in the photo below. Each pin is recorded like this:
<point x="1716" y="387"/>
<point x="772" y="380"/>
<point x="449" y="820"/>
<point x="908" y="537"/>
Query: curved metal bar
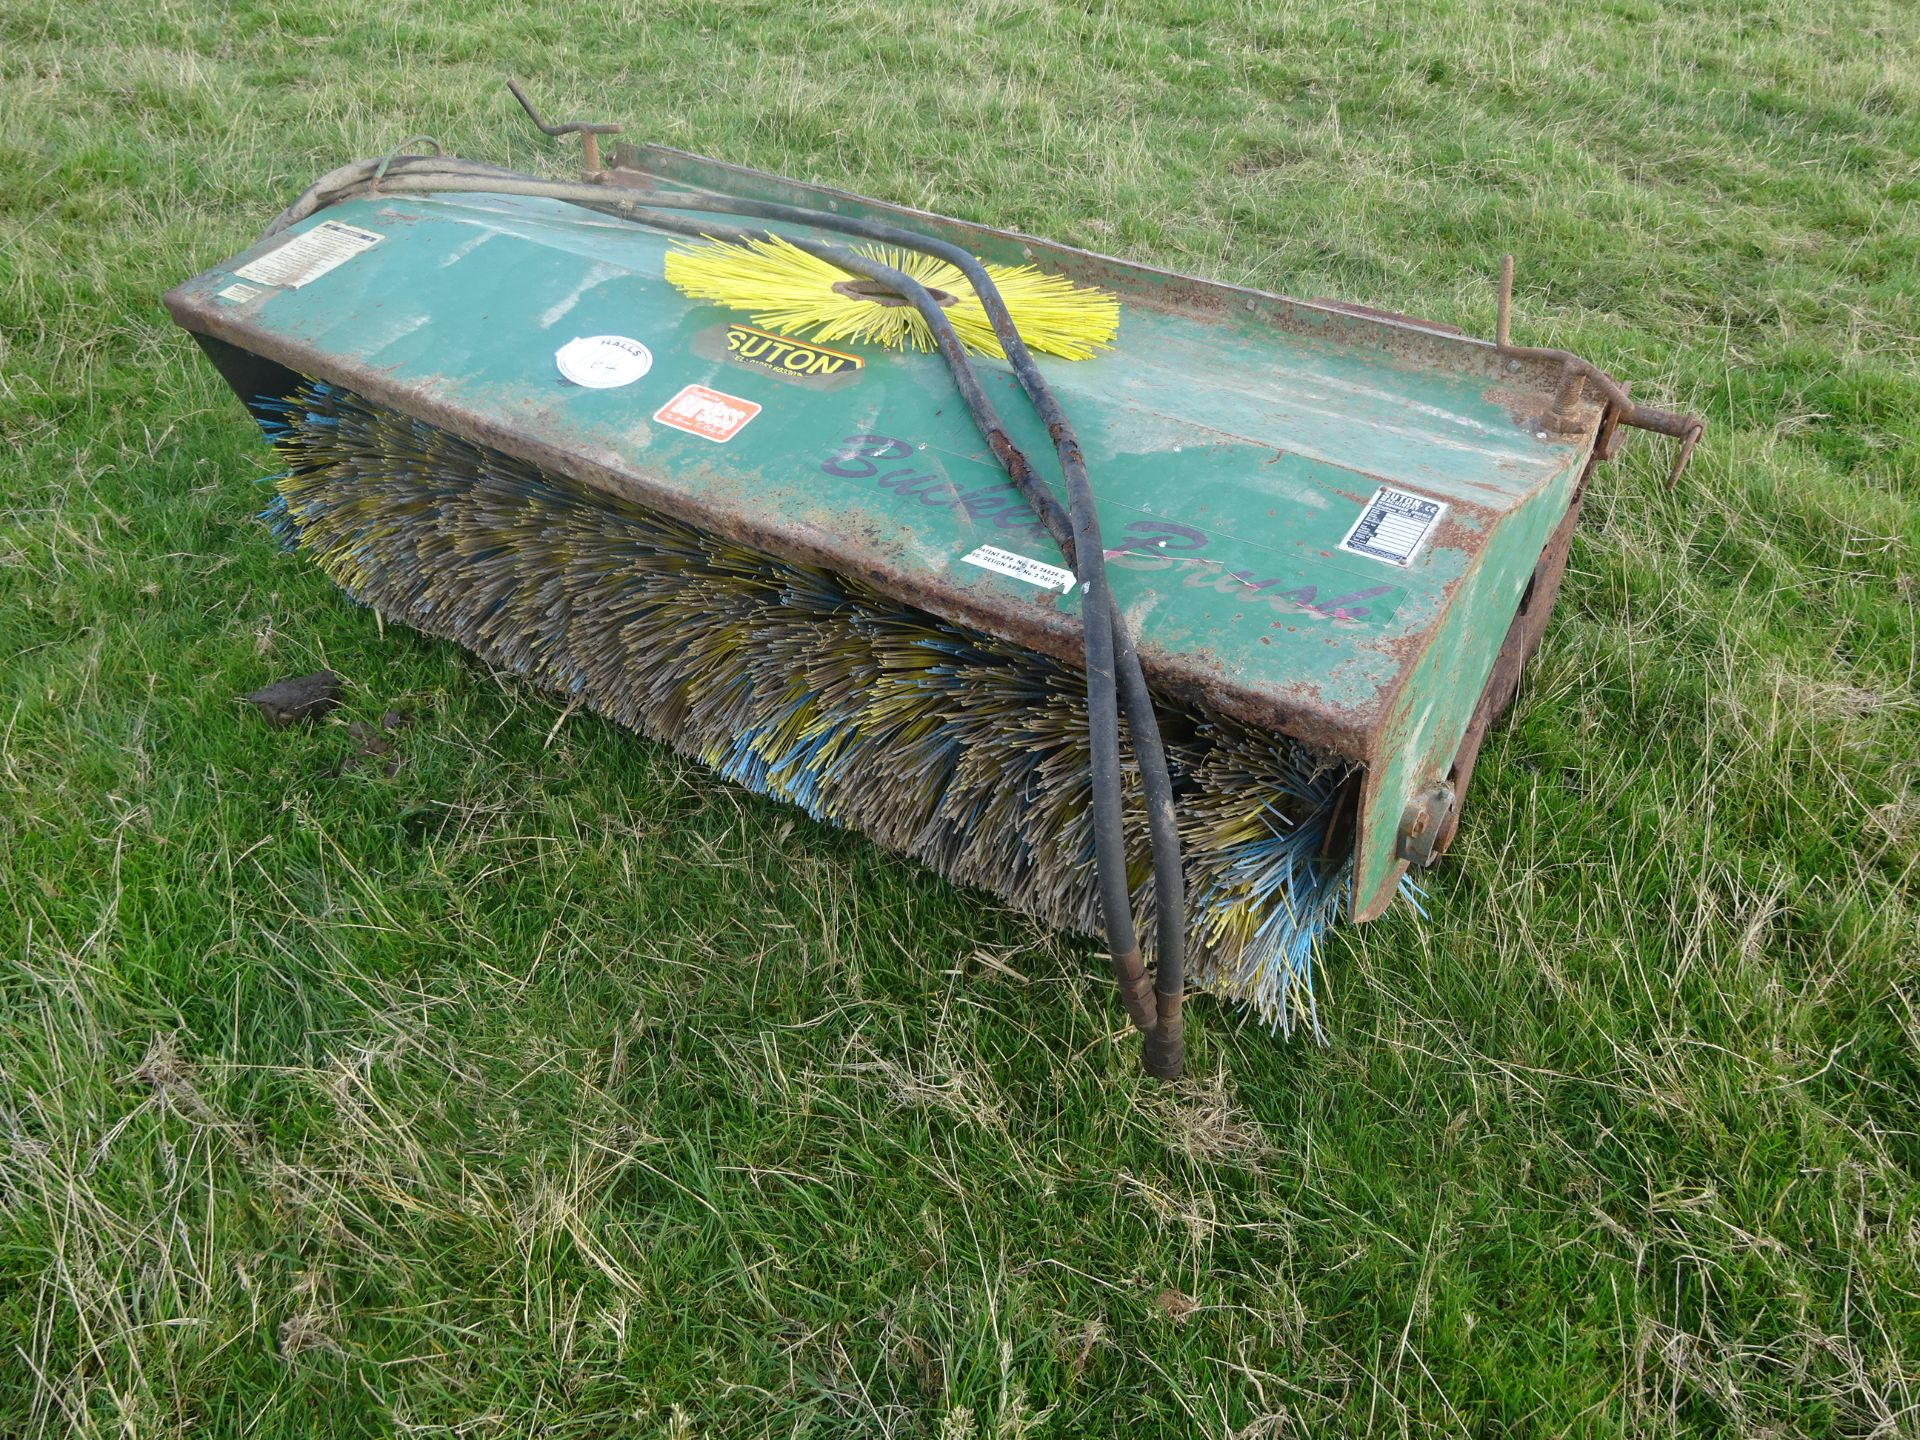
<point x="571" y="127"/>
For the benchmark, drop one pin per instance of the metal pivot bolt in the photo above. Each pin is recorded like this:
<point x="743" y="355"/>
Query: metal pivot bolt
<point x="1564" y="418"/>
<point x="1423" y="822"/>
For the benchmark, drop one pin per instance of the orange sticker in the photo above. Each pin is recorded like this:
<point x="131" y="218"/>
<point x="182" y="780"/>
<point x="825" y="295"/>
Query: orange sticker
<point x="707" y="413"/>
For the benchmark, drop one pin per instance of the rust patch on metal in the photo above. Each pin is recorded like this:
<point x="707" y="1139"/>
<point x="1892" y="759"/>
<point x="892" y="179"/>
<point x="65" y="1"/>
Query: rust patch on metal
<point x="1370" y="312"/>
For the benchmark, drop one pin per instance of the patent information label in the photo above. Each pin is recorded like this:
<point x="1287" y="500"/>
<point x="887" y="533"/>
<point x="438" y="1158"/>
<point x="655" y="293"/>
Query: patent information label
<point x="1393" y="526"/>
<point x="310" y="255"/>
<point x="1022" y="567"/>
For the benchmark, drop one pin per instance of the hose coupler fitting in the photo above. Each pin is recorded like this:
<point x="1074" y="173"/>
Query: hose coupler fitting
<point x="1163" y="1050"/>
<point x="1136" y="990"/>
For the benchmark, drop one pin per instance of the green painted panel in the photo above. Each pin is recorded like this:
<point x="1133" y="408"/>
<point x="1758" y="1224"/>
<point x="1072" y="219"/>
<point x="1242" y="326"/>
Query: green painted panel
<point x="1431" y="711"/>
<point x="1230" y="455"/>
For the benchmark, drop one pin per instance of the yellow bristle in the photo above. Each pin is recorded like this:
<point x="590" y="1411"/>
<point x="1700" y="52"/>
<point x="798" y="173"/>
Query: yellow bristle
<point x="784" y="288"/>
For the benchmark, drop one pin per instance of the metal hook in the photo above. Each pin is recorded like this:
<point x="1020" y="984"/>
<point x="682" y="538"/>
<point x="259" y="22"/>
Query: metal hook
<point x="1576" y="374"/>
<point x="588" y="131"/>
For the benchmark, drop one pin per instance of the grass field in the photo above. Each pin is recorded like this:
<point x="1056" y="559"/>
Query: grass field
<point x="548" y="1087"/>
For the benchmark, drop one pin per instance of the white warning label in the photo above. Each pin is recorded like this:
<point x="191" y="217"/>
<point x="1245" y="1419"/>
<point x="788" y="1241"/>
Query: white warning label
<point x="1022" y="567"/>
<point x="310" y="254"/>
<point x="1393" y="526"/>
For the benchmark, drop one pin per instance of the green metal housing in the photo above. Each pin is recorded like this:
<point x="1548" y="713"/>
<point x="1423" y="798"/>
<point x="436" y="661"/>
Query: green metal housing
<point x="1234" y="439"/>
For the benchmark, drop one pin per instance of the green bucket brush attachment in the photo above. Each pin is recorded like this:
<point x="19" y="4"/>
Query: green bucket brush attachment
<point x="1187" y="640"/>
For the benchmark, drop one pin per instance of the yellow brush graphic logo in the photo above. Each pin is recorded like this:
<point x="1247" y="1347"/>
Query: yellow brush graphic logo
<point x="784" y="356"/>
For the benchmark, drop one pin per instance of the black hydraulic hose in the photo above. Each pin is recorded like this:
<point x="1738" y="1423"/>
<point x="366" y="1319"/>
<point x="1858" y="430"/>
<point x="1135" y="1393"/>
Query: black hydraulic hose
<point x="1098" y="647"/>
<point x="1135" y="699"/>
<point x="1111" y="657"/>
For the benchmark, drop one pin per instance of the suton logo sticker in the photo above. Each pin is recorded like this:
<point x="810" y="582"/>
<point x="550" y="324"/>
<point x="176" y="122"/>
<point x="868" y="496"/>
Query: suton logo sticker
<point x="710" y="414"/>
<point x="783" y="356"/>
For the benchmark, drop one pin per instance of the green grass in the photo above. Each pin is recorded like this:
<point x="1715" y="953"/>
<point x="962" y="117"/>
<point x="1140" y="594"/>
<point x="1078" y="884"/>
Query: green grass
<point x="548" y="1086"/>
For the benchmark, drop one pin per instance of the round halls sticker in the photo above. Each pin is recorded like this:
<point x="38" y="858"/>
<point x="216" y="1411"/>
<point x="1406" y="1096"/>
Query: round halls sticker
<point x="603" y="362"/>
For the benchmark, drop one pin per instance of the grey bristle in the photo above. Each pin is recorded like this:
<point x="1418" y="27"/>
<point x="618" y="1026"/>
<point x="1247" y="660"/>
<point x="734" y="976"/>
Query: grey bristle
<point x="961" y="750"/>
